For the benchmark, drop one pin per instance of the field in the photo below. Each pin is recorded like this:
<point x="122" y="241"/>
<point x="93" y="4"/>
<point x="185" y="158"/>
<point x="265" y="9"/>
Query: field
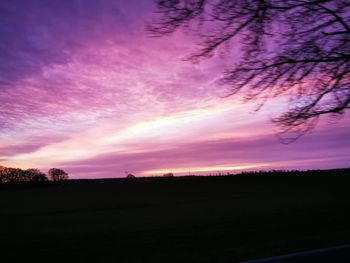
<point x="188" y="219"/>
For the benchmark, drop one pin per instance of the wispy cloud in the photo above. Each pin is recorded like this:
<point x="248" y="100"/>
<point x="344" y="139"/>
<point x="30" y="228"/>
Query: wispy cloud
<point x="325" y="150"/>
<point x="81" y="86"/>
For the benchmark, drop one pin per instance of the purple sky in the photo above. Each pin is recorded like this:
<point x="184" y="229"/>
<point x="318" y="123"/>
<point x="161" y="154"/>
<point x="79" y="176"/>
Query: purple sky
<point x="83" y="88"/>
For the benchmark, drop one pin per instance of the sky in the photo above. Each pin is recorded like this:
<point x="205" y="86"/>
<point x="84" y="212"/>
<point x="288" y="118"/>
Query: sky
<point x="84" y="88"/>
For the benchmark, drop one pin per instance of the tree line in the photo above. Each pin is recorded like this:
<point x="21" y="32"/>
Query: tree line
<point x="14" y="175"/>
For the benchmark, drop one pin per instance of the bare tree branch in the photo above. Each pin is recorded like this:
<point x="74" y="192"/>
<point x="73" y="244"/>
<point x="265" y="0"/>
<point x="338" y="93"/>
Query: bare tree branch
<point x="299" y="48"/>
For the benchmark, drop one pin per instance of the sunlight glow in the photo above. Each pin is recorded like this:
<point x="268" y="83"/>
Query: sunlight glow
<point x="205" y="169"/>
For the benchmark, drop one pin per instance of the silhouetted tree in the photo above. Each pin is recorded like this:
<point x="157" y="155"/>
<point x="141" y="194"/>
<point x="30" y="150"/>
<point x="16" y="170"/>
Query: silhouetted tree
<point x="57" y="174"/>
<point x="168" y="175"/>
<point x="130" y="176"/>
<point x="2" y="174"/>
<point x="12" y="175"/>
<point x="35" y="175"/>
<point x="298" y="48"/>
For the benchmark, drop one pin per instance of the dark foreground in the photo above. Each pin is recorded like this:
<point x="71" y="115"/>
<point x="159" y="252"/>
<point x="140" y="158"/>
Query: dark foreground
<point x="213" y="219"/>
<point x="340" y="254"/>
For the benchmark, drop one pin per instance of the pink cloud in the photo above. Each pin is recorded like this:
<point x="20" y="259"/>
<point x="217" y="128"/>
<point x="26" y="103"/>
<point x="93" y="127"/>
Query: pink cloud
<point x="86" y="89"/>
<point x="323" y="150"/>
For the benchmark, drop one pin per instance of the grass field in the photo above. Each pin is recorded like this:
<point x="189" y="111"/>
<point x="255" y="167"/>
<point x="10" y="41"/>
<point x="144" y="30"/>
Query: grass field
<point x="195" y="219"/>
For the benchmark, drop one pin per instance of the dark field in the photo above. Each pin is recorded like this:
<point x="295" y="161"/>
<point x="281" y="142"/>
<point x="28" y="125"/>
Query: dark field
<point x="203" y="219"/>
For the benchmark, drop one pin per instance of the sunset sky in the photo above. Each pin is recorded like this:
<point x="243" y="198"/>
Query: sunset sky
<point x="84" y="88"/>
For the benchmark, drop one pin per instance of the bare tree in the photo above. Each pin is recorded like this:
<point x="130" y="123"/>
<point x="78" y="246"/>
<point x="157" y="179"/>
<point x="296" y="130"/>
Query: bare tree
<point x="13" y="175"/>
<point x="57" y="174"/>
<point x="35" y="175"/>
<point x="294" y="48"/>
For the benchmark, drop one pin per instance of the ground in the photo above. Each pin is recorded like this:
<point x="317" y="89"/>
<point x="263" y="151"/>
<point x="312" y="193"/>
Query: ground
<point x="204" y="219"/>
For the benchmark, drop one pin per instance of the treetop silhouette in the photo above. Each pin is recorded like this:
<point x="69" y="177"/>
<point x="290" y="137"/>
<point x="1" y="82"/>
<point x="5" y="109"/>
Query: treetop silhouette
<point x="294" y="48"/>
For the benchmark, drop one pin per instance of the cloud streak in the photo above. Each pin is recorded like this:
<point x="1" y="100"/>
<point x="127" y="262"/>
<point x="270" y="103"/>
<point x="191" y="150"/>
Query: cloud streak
<point x="83" y="87"/>
<point x="325" y="150"/>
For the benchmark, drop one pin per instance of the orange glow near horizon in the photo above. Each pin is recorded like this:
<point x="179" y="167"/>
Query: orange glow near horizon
<point x="206" y="169"/>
